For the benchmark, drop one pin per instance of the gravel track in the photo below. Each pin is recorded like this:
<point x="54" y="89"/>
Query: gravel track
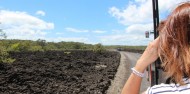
<point x="127" y="61"/>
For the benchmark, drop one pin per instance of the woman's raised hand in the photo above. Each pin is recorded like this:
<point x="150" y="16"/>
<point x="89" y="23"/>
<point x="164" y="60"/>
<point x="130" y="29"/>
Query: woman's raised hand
<point x="149" y="56"/>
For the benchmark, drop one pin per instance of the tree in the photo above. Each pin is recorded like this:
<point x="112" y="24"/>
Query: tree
<point x="4" y="55"/>
<point x="41" y="43"/>
<point x="2" y="34"/>
<point x="98" y="48"/>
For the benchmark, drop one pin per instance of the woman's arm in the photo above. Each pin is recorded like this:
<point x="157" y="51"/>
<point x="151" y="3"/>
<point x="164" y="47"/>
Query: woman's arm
<point x="132" y="86"/>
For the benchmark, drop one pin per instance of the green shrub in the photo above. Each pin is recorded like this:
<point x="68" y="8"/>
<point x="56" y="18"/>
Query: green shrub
<point x="98" y="48"/>
<point x="4" y="56"/>
<point x="20" y="46"/>
<point x="36" y="48"/>
<point x="50" y="47"/>
<point x="14" y="47"/>
<point x="24" y="46"/>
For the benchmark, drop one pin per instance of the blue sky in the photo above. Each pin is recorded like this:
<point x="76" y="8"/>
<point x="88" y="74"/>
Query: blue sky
<point x="110" y="22"/>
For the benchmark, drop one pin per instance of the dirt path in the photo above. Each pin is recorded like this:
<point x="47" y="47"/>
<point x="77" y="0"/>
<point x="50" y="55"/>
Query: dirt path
<point x="127" y="61"/>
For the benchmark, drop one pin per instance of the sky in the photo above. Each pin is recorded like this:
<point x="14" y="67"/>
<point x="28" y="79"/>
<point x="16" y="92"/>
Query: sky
<point x="109" y="22"/>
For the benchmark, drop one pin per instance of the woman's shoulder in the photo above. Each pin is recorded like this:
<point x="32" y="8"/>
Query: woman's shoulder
<point x="169" y="88"/>
<point x="161" y="88"/>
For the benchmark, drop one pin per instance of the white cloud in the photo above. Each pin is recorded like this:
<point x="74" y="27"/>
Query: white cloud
<point x="140" y="0"/>
<point x="135" y="12"/>
<point x="125" y="39"/>
<point x="41" y="13"/>
<point x="59" y="33"/>
<point x="21" y="25"/>
<point x="83" y="30"/>
<point x="75" y="30"/>
<point x="137" y="17"/>
<point x="99" y="31"/>
<point x="140" y="11"/>
<point x="139" y="28"/>
<point x="69" y="39"/>
<point x="132" y="35"/>
<point x="168" y="5"/>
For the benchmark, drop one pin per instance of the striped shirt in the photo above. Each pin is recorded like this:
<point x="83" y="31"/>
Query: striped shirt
<point x="170" y="88"/>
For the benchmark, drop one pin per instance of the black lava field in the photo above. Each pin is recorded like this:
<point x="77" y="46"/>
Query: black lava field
<point x="59" y="72"/>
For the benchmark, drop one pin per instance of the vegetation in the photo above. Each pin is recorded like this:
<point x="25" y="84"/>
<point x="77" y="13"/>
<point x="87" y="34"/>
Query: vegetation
<point x="2" y="34"/>
<point x="98" y="48"/>
<point x="126" y="47"/>
<point x="136" y="49"/>
<point x="4" y="55"/>
<point x="42" y="45"/>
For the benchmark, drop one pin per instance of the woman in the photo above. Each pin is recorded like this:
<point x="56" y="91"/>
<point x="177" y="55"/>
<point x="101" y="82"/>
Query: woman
<point x="173" y="48"/>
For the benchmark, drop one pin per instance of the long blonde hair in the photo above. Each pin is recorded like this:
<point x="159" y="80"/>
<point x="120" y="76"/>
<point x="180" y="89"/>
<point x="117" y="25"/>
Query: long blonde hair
<point x="175" y="43"/>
